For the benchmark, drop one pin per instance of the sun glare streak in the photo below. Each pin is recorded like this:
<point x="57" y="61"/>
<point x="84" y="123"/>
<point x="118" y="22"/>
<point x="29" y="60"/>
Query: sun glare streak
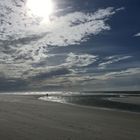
<point x="40" y="8"/>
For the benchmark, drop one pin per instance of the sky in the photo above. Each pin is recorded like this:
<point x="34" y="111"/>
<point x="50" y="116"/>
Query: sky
<point x="84" y="45"/>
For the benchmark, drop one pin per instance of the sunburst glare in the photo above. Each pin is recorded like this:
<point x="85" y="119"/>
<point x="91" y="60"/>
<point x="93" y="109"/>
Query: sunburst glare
<point x="40" y="8"/>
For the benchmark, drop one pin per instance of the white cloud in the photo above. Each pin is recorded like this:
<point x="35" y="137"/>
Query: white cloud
<point x="80" y="60"/>
<point x="17" y="24"/>
<point x="27" y="39"/>
<point x="111" y="60"/>
<point x="130" y="72"/>
<point x="138" y="34"/>
<point x="18" y="68"/>
<point x="119" y="74"/>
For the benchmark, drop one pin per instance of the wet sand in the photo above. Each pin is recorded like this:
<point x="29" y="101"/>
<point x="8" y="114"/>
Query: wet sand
<point x="27" y="118"/>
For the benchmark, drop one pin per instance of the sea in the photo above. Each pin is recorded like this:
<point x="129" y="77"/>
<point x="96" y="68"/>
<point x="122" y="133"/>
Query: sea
<point x="124" y="101"/>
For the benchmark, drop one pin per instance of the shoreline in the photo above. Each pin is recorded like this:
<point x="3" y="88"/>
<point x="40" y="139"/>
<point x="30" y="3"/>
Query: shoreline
<point x="125" y="103"/>
<point x="96" y="107"/>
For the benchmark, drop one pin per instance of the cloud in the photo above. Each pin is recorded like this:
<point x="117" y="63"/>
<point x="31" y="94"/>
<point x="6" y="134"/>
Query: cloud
<point x="101" y="80"/>
<point x="12" y="84"/>
<point x="52" y="73"/>
<point x="137" y="35"/>
<point x="81" y="60"/>
<point x="112" y="59"/>
<point x="71" y="63"/>
<point x="24" y="40"/>
<point x="119" y="74"/>
<point x="15" y="24"/>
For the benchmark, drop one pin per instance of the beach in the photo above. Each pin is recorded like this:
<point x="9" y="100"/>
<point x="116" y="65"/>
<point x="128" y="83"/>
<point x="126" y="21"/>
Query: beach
<point x="24" y="117"/>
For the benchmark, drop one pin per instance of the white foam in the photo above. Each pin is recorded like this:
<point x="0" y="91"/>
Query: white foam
<point x="52" y="99"/>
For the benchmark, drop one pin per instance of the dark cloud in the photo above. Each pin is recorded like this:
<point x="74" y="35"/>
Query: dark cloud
<point x="13" y="84"/>
<point x="20" y="41"/>
<point x="52" y="73"/>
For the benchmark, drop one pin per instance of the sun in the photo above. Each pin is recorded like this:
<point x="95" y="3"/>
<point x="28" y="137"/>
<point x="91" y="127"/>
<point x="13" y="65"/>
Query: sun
<point x="40" y="8"/>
